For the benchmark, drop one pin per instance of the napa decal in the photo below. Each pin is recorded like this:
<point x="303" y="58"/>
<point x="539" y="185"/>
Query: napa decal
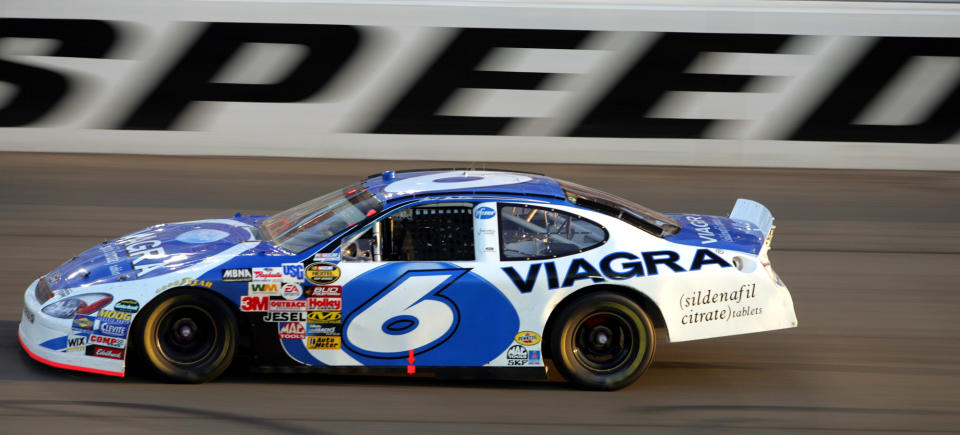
<point x="447" y="315"/>
<point x="615" y="266"/>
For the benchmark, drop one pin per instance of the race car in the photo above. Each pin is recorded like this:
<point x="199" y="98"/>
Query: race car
<point x="451" y="271"/>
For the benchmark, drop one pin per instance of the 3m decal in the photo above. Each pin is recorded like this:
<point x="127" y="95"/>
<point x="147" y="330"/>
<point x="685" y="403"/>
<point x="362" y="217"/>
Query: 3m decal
<point x="320" y="342"/>
<point x="292" y="331"/>
<point x="527" y="338"/>
<point x="236" y="275"/>
<point x="322" y="273"/>
<point x="324" y="316"/>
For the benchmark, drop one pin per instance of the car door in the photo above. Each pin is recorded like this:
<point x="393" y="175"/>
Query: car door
<point x="407" y="283"/>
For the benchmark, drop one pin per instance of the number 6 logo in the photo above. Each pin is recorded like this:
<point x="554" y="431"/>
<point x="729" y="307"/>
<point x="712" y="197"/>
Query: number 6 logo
<point x="410" y="313"/>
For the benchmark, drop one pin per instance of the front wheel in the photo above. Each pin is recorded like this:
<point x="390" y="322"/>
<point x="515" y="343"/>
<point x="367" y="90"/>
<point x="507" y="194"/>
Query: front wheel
<point x="188" y="337"/>
<point x="604" y="341"/>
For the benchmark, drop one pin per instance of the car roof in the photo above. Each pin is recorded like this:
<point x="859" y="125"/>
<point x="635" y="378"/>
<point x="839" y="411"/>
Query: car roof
<point x="391" y="186"/>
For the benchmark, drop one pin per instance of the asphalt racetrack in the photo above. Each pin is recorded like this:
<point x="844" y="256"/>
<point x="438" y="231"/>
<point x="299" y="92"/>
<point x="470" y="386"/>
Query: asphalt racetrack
<point x="872" y="259"/>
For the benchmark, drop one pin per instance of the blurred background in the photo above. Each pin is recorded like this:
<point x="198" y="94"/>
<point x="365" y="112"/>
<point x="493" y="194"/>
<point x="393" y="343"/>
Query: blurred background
<point x="843" y="118"/>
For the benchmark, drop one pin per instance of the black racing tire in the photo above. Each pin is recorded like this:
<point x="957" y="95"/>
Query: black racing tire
<point x="602" y="341"/>
<point x="187" y="337"/>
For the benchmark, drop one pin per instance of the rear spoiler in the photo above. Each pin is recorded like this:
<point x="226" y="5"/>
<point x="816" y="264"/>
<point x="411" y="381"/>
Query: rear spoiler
<point x="757" y="215"/>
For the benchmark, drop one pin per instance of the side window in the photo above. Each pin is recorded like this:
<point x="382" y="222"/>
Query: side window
<point x="434" y="232"/>
<point x="528" y="232"/>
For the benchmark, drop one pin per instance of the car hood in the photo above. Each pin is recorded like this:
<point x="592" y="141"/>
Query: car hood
<point x="717" y="232"/>
<point x="151" y="252"/>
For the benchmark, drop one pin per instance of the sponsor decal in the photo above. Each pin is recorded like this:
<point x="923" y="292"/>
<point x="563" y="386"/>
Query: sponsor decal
<point x="292" y="272"/>
<point x="267" y="273"/>
<point x="527" y="338"/>
<point x="533" y="357"/>
<point x="324" y="316"/>
<point x="615" y="266"/>
<point x="322" y="329"/>
<point x="28" y="315"/>
<point x="322" y="273"/>
<point x="517" y="355"/>
<point x="320" y="342"/>
<point x="285" y="317"/>
<point x="115" y="269"/>
<point x="127" y="306"/>
<point x="104" y="352"/>
<point x="185" y="282"/>
<point x="235" y="275"/>
<point x="327" y="256"/>
<point x="325" y="290"/>
<point x="83" y="323"/>
<point x="291" y="291"/>
<point x="110" y="256"/>
<point x="108" y="341"/>
<point x="261" y="288"/>
<point x="292" y="331"/>
<point x="141" y="249"/>
<point x="115" y="315"/>
<point x="113" y="329"/>
<point x="710" y="305"/>
<point x="325" y="304"/>
<point x="76" y="342"/>
<point x="264" y="303"/>
<point x="484" y="213"/>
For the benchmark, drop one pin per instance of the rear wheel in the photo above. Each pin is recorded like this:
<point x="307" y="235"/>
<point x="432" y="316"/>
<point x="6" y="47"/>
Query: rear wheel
<point x="188" y="337"/>
<point x="604" y="341"/>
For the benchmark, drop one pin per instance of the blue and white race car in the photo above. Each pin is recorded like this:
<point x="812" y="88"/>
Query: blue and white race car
<point x="477" y="271"/>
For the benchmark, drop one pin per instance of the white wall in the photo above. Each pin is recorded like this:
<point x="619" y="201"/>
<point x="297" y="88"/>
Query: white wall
<point x="714" y="83"/>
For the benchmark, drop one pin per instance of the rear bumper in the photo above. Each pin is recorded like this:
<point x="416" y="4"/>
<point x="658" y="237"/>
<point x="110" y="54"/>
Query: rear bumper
<point x="41" y="337"/>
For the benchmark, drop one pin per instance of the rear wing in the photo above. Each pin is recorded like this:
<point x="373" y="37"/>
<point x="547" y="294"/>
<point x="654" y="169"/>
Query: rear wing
<point x="756" y="214"/>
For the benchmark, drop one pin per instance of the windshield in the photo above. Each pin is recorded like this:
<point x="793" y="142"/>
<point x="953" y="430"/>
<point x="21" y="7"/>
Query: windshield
<point x="318" y="219"/>
<point x="653" y="222"/>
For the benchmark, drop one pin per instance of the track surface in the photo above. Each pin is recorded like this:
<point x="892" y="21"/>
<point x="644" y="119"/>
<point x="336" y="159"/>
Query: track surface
<point x="872" y="259"/>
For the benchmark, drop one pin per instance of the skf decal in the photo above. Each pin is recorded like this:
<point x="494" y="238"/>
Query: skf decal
<point x="293" y="331"/>
<point x="322" y="273"/>
<point x="527" y="338"/>
<point x="324" y="316"/>
<point x="615" y="266"/>
<point x="517" y="355"/>
<point x="320" y="342"/>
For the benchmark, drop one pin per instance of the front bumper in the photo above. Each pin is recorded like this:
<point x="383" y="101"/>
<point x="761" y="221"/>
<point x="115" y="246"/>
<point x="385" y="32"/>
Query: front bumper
<point x="41" y="335"/>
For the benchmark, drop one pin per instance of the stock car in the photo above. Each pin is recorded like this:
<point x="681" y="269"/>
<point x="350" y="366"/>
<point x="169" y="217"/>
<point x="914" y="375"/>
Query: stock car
<point x="461" y="271"/>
